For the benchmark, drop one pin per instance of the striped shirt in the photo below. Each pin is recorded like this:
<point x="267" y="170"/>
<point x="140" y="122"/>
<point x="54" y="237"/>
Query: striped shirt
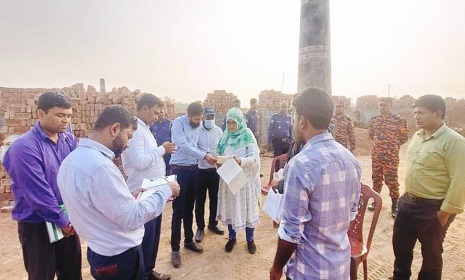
<point x="322" y="189"/>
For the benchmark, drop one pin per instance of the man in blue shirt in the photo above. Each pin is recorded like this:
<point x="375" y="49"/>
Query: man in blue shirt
<point x="32" y="162"/>
<point x="280" y="130"/>
<point x="161" y="130"/>
<point x="321" y="193"/>
<point x="253" y="117"/>
<point x="185" y="135"/>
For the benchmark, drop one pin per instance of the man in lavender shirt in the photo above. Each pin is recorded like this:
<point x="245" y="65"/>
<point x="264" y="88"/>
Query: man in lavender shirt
<point x="321" y="193"/>
<point x="32" y="162"/>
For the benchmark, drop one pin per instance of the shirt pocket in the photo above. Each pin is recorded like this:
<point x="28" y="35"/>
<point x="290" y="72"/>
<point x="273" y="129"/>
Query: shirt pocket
<point x="430" y="160"/>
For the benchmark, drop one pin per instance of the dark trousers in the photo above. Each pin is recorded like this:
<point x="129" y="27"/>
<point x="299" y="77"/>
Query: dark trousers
<point x="280" y="147"/>
<point x="417" y="219"/>
<point x="208" y="180"/>
<point x="128" y="265"/>
<point x="150" y="244"/>
<point x="183" y="206"/>
<point x="167" y="159"/>
<point x="43" y="259"/>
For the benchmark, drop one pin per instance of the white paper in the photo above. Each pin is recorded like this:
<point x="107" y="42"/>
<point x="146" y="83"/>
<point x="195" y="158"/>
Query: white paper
<point x="273" y="206"/>
<point x="54" y="232"/>
<point x="151" y="186"/>
<point x="233" y="175"/>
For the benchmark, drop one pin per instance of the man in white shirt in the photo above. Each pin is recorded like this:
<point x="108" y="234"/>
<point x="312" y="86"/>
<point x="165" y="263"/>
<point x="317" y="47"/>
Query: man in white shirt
<point x="100" y="206"/>
<point x="209" y="136"/>
<point x="144" y="159"/>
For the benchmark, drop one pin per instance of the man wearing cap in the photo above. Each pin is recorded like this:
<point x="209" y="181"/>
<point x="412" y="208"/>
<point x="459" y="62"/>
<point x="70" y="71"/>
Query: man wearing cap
<point x="280" y="130"/>
<point x="209" y="136"/>
<point x="388" y="132"/>
<point x="161" y="130"/>
<point x="252" y="117"/>
<point x="343" y="127"/>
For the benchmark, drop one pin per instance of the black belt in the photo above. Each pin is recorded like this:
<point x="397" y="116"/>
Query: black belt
<point x="423" y="200"/>
<point x="184" y="167"/>
<point x="208" y="169"/>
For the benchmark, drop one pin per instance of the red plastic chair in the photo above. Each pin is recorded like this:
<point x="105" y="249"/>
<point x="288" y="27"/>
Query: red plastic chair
<point x="359" y="249"/>
<point x="277" y="161"/>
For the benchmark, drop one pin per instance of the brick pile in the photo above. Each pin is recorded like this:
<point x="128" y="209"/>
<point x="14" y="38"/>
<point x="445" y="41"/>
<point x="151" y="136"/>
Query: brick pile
<point x="271" y="99"/>
<point x="220" y="100"/>
<point x="371" y="102"/>
<point x="367" y="102"/>
<point x="18" y="108"/>
<point x="341" y="99"/>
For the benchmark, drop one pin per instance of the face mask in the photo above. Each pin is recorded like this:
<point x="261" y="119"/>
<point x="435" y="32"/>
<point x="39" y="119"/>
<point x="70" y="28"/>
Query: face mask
<point x="208" y="124"/>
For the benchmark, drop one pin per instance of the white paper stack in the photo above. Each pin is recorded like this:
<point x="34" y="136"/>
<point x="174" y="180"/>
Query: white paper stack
<point x="151" y="185"/>
<point x="233" y="175"/>
<point x="273" y="205"/>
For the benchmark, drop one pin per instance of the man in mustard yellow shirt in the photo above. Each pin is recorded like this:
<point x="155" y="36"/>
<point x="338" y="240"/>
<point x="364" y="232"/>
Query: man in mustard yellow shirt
<point x="434" y="190"/>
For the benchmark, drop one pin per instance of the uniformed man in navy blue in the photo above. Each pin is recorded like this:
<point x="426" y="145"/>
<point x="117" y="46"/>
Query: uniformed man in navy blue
<point x="252" y="117"/>
<point x="161" y="130"/>
<point x="280" y="130"/>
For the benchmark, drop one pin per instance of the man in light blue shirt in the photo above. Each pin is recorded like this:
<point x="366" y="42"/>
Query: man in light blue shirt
<point x="321" y="193"/>
<point x="185" y="135"/>
<point x="210" y="135"/>
<point x="102" y="209"/>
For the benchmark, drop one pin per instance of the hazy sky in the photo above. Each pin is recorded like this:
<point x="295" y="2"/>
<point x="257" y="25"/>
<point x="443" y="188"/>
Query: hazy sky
<point x="184" y="49"/>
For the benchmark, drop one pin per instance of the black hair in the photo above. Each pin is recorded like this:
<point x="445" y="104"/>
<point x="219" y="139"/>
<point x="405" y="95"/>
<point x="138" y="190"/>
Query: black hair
<point x="52" y="99"/>
<point x="316" y="106"/>
<point x="150" y="100"/>
<point x="432" y="102"/>
<point x="195" y="109"/>
<point x="253" y="101"/>
<point x="115" y="114"/>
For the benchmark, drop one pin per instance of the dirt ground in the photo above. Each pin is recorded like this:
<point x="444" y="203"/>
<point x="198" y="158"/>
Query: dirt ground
<point x="215" y="263"/>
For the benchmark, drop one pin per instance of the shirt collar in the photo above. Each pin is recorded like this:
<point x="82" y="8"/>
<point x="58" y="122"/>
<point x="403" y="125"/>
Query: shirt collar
<point x="89" y="143"/>
<point x="436" y="134"/>
<point x="325" y="136"/>
<point x="38" y="129"/>
<point x="142" y="123"/>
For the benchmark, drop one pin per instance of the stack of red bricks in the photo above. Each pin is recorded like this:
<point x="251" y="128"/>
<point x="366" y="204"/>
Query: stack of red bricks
<point x="18" y="109"/>
<point x="269" y="100"/>
<point x="221" y="100"/>
<point x="367" y="102"/>
<point x="341" y="99"/>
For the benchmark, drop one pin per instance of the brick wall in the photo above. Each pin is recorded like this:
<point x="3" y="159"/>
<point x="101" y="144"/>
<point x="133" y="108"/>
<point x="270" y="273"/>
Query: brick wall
<point x="18" y="114"/>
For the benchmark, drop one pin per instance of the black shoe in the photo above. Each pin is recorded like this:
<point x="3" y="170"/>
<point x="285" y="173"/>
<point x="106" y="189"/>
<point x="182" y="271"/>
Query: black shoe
<point x="193" y="247"/>
<point x="199" y="235"/>
<point x="216" y="229"/>
<point x="372" y="207"/>
<point x="176" y="259"/>
<point x="251" y="247"/>
<point x="230" y="245"/>
<point x="394" y="207"/>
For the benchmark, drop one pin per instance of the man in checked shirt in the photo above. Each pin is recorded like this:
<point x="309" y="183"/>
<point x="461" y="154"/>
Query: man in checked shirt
<point x="321" y="193"/>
